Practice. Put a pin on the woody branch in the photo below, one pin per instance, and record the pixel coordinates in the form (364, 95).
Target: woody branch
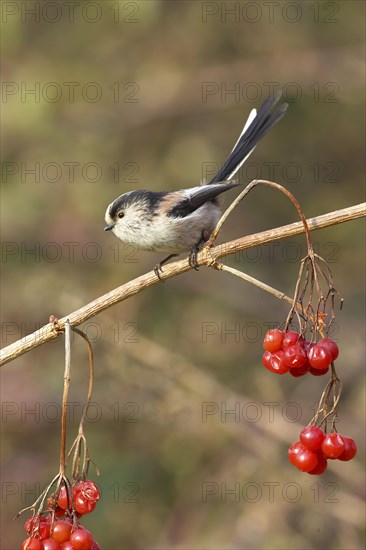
(207, 257)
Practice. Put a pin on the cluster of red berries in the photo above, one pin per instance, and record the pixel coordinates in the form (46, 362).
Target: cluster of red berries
(289, 352)
(63, 536)
(312, 452)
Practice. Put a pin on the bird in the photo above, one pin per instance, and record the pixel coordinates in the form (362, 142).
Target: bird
(173, 222)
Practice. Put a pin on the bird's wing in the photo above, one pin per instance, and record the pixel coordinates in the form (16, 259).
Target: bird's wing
(197, 196)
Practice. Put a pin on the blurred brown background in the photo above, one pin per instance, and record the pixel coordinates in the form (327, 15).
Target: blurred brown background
(103, 97)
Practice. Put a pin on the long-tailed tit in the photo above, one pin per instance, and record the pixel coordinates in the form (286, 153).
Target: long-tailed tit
(181, 221)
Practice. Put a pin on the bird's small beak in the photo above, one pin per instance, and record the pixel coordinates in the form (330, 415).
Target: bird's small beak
(109, 226)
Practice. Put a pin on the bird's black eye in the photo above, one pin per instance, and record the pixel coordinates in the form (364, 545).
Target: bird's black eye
(120, 214)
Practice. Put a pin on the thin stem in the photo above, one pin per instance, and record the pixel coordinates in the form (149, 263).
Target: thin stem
(334, 385)
(227, 213)
(79, 448)
(65, 394)
(277, 293)
(41, 498)
(296, 299)
(285, 191)
(245, 192)
(91, 376)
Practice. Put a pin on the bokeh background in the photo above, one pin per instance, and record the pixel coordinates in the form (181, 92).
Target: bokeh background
(99, 98)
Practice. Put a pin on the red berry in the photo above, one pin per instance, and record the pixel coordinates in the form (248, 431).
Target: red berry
(40, 530)
(33, 521)
(81, 539)
(274, 362)
(350, 449)
(51, 544)
(82, 505)
(277, 363)
(333, 445)
(61, 531)
(308, 345)
(320, 467)
(265, 359)
(305, 460)
(331, 346)
(300, 371)
(44, 530)
(28, 525)
(62, 500)
(318, 372)
(312, 437)
(319, 357)
(59, 512)
(32, 544)
(89, 490)
(273, 340)
(95, 546)
(294, 449)
(67, 546)
(295, 356)
(290, 337)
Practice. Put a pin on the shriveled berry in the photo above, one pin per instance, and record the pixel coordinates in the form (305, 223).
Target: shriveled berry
(33, 521)
(89, 490)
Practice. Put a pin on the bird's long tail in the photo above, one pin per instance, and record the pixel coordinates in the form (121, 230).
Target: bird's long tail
(257, 125)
